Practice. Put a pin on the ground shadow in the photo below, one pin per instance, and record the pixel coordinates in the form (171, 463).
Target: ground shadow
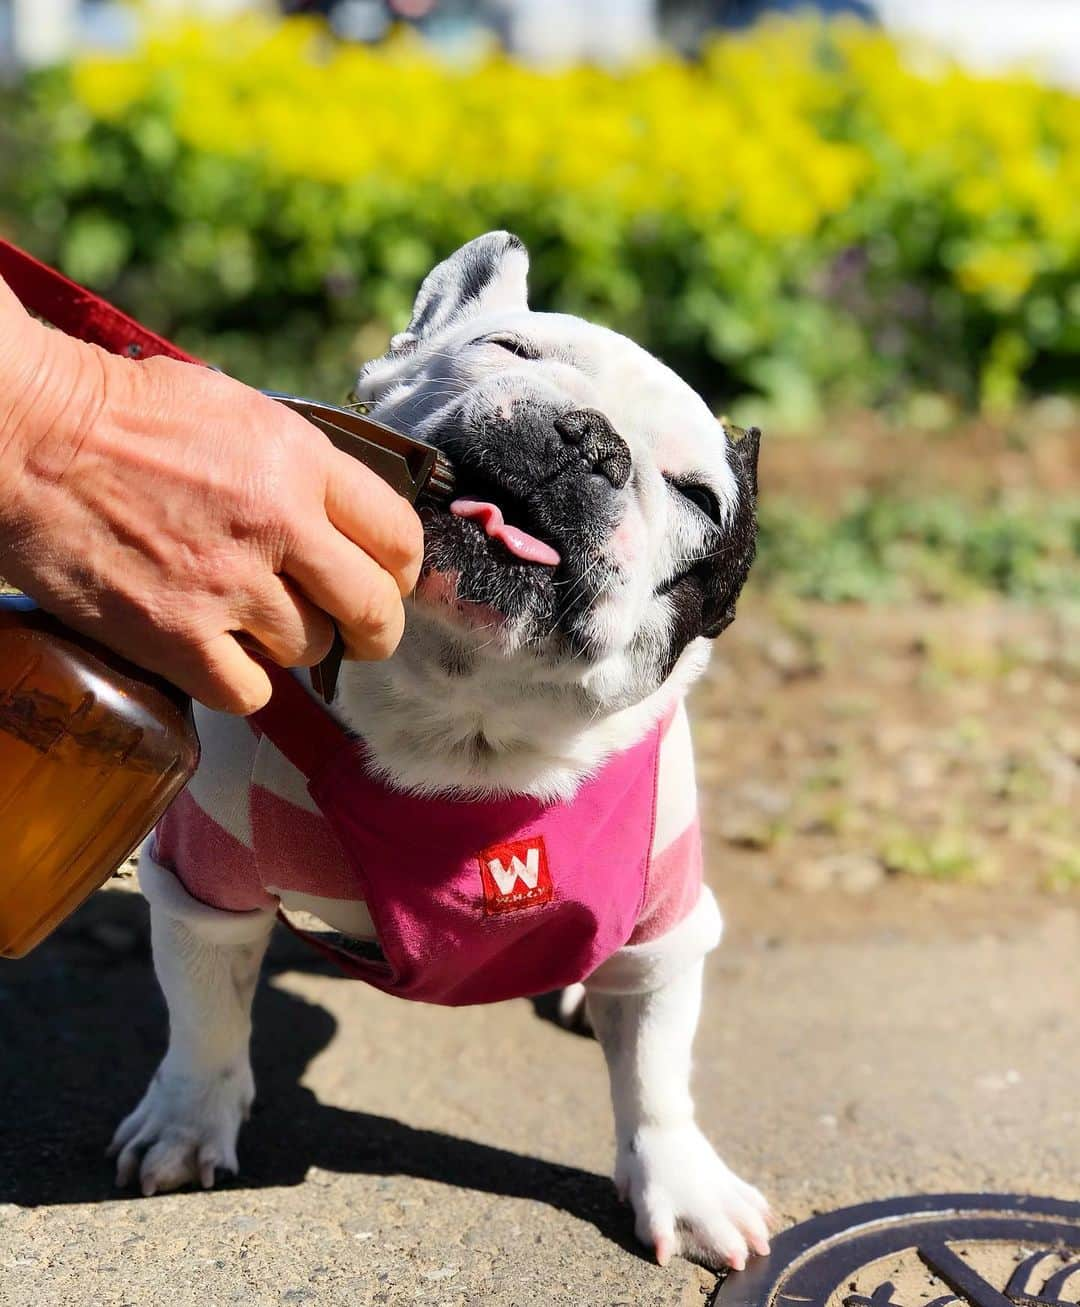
(546, 1007)
(82, 1027)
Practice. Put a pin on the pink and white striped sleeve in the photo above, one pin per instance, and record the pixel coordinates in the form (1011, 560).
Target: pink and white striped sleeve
(200, 862)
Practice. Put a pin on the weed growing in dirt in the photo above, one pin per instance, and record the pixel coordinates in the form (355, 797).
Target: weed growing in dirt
(945, 854)
(1064, 874)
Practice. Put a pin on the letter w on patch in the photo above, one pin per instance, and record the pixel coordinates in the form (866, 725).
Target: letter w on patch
(515, 875)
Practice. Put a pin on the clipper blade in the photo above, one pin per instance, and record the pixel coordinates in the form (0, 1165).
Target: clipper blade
(441, 480)
(414, 468)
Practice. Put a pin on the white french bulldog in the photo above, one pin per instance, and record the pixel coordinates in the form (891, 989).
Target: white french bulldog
(566, 603)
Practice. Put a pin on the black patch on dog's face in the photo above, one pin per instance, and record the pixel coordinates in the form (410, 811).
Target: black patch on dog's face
(559, 474)
(703, 596)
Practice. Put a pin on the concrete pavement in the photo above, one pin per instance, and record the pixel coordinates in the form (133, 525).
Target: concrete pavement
(407, 1154)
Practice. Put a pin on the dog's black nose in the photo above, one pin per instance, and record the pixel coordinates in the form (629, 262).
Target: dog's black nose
(601, 447)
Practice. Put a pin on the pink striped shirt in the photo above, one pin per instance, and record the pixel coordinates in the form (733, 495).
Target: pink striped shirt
(468, 900)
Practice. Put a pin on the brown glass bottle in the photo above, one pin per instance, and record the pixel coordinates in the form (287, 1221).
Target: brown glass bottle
(92, 752)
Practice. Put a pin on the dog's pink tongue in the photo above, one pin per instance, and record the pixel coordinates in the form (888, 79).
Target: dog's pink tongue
(520, 543)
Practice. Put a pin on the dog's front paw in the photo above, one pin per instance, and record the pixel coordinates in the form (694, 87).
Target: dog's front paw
(184, 1129)
(686, 1200)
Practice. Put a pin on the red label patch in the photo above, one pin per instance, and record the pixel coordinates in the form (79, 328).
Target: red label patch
(515, 875)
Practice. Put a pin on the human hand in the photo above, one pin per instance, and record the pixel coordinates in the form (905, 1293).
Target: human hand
(176, 516)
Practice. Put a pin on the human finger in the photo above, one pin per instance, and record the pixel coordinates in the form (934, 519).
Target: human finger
(362, 597)
(383, 523)
(221, 675)
(287, 626)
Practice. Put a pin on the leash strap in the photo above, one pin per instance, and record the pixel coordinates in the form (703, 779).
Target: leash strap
(78, 311)
(305, 733)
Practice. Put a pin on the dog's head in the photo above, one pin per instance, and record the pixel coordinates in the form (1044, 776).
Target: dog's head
(605, 520)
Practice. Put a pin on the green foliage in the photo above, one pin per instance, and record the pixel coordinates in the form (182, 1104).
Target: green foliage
(885, 548)
(946, 854)
(1063, 875)
(804, 217)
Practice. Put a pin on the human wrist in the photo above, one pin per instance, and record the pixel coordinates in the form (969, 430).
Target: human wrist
(51, 386)
(19, 353)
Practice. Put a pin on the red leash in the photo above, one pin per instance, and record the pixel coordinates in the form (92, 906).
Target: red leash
(78, 311)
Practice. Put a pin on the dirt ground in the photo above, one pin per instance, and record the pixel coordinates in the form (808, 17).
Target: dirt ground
(890, 803)
(844, 752)
(856, 747)
(1036, 452)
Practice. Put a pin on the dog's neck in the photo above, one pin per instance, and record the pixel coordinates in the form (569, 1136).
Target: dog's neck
(437, 722)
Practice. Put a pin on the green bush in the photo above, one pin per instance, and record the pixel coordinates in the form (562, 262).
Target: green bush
(882, 548)
(805, 216)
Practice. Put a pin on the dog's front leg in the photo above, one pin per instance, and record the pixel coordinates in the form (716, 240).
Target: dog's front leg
(685, 1198)
(207, 964)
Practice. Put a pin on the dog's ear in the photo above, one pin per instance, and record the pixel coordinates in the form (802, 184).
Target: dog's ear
(485, 276)
(744, 452)
(728, 570)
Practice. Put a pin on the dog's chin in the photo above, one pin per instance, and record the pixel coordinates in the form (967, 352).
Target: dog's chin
(471, 582)
(474, 586)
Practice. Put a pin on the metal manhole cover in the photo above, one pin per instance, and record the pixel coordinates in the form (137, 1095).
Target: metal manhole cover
(936, 1250)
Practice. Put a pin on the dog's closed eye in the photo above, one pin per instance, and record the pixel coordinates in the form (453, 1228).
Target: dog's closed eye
(700, 496)
(521, 349)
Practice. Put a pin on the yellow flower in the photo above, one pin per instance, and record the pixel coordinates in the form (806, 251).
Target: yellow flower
(109, 87)
(784, 126)
(1002, 273)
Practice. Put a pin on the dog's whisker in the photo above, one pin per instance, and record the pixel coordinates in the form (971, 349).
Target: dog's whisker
(565, 608)
(701, 558)
(578, 585)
